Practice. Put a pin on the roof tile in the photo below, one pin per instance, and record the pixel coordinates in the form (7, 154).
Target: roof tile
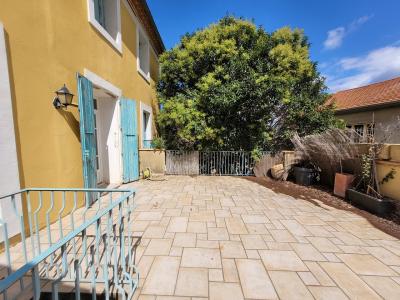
(383, 92)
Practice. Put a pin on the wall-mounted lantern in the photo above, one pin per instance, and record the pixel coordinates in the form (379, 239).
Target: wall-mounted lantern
(63, 98)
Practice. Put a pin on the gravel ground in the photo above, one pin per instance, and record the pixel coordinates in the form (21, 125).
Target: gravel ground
(389, 225)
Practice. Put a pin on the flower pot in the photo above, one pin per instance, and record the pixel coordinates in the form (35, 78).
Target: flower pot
(304, 176)
(380, 207)
(343, 182)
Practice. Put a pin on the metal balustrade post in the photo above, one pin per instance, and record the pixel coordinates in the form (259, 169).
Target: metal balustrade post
(29, 208)
(105, 267)
(77, 279)
(46, 263)
(36, 283)
(92, 272)
(48, 217)
(36, 220)
(60, 212)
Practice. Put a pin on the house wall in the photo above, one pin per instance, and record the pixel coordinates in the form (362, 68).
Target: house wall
(384, 118)
(48, 42)
(153, 159)
(392, 161)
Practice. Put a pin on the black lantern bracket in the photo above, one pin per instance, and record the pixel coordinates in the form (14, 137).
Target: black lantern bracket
(63, 98)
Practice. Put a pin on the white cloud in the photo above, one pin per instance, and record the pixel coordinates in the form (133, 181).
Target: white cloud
(379, 64)
(336, 35)
(335, 38)
(357, 23)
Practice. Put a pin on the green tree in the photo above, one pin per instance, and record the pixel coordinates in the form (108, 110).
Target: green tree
(233, 86)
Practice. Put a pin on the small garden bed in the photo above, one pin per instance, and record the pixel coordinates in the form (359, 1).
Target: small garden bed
(390, 224)
(381, 207)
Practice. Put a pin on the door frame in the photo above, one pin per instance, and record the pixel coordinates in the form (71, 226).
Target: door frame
(117, 93)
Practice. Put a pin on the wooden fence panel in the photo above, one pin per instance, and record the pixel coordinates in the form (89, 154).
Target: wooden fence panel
(267, 161)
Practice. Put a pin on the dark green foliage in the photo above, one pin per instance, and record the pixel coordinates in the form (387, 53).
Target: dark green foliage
(233, 86)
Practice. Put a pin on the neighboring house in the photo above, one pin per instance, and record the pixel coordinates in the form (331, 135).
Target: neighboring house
(106, 53)
(373, 111)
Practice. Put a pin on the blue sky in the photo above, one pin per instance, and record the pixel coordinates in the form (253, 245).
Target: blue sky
(354, 42)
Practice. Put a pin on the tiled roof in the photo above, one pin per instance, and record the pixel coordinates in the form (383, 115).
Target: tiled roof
(380, 93)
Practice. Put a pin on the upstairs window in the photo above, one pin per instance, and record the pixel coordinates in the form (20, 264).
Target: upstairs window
(143, 55)
(104, 15)
(99, 12)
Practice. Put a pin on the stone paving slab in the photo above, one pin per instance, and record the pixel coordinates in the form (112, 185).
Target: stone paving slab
(229, 238)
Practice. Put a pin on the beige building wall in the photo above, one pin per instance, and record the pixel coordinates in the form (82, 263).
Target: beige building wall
(153, 159)
(385, 118)
(391, 188)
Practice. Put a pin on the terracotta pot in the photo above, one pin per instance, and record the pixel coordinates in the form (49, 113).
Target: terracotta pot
(343, 182)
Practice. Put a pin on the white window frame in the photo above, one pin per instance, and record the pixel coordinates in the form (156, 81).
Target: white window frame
(145, 108)
(140, 31)
(139, 27)
(117, 42)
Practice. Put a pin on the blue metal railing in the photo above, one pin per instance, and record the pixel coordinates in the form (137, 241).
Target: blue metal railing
(55, 241)
(147, 144)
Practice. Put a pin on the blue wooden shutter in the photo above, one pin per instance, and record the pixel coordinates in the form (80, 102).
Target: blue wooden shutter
(88, 138)
(130, 153)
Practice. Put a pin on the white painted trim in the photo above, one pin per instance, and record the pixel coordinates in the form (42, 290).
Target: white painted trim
(143, 74)
(116, 92)
(139, 30)
(135, 19)
(117, 42)
(9, 179)
(100, 82)
(119, 139)
(146, 108)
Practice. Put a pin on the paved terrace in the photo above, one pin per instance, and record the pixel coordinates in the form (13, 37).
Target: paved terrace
(229, 238)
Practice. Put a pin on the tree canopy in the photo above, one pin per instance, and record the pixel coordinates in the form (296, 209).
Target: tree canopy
(234, 86)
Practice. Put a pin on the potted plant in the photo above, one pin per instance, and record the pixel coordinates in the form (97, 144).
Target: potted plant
(305, 174)
(343, 181)
(366, 193)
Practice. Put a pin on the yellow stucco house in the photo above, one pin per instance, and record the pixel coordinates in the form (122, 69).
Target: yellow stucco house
(105, 53)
